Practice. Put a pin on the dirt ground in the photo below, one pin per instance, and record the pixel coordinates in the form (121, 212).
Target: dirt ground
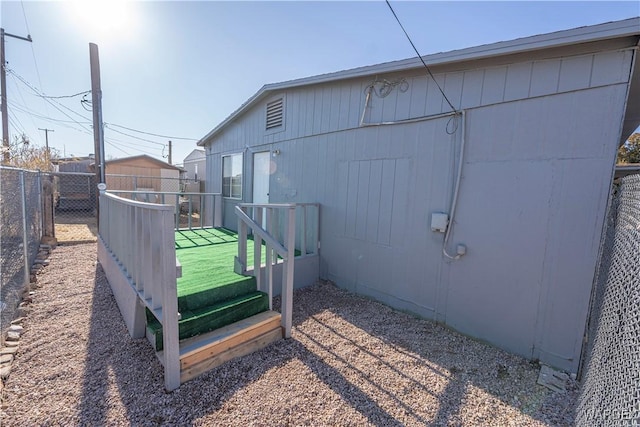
(350, 361)
(76, 227)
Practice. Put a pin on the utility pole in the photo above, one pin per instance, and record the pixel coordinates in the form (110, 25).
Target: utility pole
(96, 102)
(3, 88)
(46, 141)
(170, 153)
(98, 130)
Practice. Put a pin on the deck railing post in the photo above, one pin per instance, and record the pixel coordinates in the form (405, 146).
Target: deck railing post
(287, 276)
(303, 229)
(257, 249)
(190, 210)
(217, 210)
(240, 266)
(169, 304)
(202, 201)
(268, 259)
(177, 211)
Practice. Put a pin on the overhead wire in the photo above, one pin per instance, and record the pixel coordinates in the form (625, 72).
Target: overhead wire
(37, 92)
(153, 134)
(33, 113)
(108, 126)
(127, 145)
(33, 52)
(16, 123)
(22, 97)
(52, 100)
(66, 96)
(65, 123)
(454, 109)
(117, 148)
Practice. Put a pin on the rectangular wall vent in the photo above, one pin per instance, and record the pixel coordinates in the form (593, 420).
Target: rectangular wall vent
(274, 113)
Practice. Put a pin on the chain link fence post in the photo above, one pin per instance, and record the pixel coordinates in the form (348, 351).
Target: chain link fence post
(25, 241)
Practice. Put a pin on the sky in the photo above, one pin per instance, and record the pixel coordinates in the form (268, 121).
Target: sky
(177, 68)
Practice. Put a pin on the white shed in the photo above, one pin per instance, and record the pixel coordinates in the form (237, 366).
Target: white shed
(521, 166)
(195, 165)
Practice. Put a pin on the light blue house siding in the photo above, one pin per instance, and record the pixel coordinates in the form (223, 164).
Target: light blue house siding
(542, 130)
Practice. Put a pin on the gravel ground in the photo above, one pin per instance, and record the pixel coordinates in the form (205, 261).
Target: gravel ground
(351, 361)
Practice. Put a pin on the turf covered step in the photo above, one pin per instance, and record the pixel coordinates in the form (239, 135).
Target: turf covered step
(205, 319)
(209, 294)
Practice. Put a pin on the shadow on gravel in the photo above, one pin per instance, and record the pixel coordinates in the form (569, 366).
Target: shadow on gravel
(468, 363)
(124, 373)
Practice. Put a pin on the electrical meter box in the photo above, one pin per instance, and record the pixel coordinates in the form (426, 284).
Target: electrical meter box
(439, 222)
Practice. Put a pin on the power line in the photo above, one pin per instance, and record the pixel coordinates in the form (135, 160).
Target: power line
(420, 57)
(13, 119)
(65, 96)
(117, 148)
(129, 146)
(37, 92)
(64, 123)
(108, 126)
(152, 134)
(26, 110)
(22, 97)
(33, 52)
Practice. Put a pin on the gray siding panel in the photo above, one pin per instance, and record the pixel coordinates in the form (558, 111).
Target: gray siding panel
(544, 78)
(532, 197)
(434, 97)
(386, 201)
(494, 85)
(611, 68)
(472, 88)
(518, 81)
(575, 73)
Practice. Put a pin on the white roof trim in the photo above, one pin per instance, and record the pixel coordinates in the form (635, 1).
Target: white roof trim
(609, 30)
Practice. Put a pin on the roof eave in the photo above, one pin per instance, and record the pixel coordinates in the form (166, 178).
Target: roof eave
(593, 33)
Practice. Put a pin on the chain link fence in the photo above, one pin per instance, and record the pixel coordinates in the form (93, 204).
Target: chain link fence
(193, 206)
(75, 201)
(21, 228)
(610, 393)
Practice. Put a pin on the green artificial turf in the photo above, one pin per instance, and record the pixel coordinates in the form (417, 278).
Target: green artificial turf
(210, 318)
(207, 259)
(210, 294)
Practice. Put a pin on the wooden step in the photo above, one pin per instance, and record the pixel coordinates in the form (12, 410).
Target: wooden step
(206, 319)
(205, 352)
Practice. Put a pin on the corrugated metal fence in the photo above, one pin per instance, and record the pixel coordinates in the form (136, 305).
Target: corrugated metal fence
(610, 393)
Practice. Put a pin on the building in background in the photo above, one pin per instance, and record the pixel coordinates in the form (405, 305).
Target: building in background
(142, 173)
(195, 165)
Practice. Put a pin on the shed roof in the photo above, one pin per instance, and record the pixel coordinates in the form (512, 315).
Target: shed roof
(593, 33)
(159, 163)
(195, 155)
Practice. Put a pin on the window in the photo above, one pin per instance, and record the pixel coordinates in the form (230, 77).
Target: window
(274, 113)
(232, 176)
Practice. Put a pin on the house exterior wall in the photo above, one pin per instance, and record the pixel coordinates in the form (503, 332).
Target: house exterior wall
(541, 138)
(195, 166)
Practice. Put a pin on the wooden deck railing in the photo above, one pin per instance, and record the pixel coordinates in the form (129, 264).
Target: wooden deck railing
(275, 225)
(207, 205)
(137, 252)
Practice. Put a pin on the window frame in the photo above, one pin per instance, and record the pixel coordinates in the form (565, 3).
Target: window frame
(231, 183)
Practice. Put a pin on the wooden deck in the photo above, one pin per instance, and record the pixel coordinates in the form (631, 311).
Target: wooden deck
(207, 351)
